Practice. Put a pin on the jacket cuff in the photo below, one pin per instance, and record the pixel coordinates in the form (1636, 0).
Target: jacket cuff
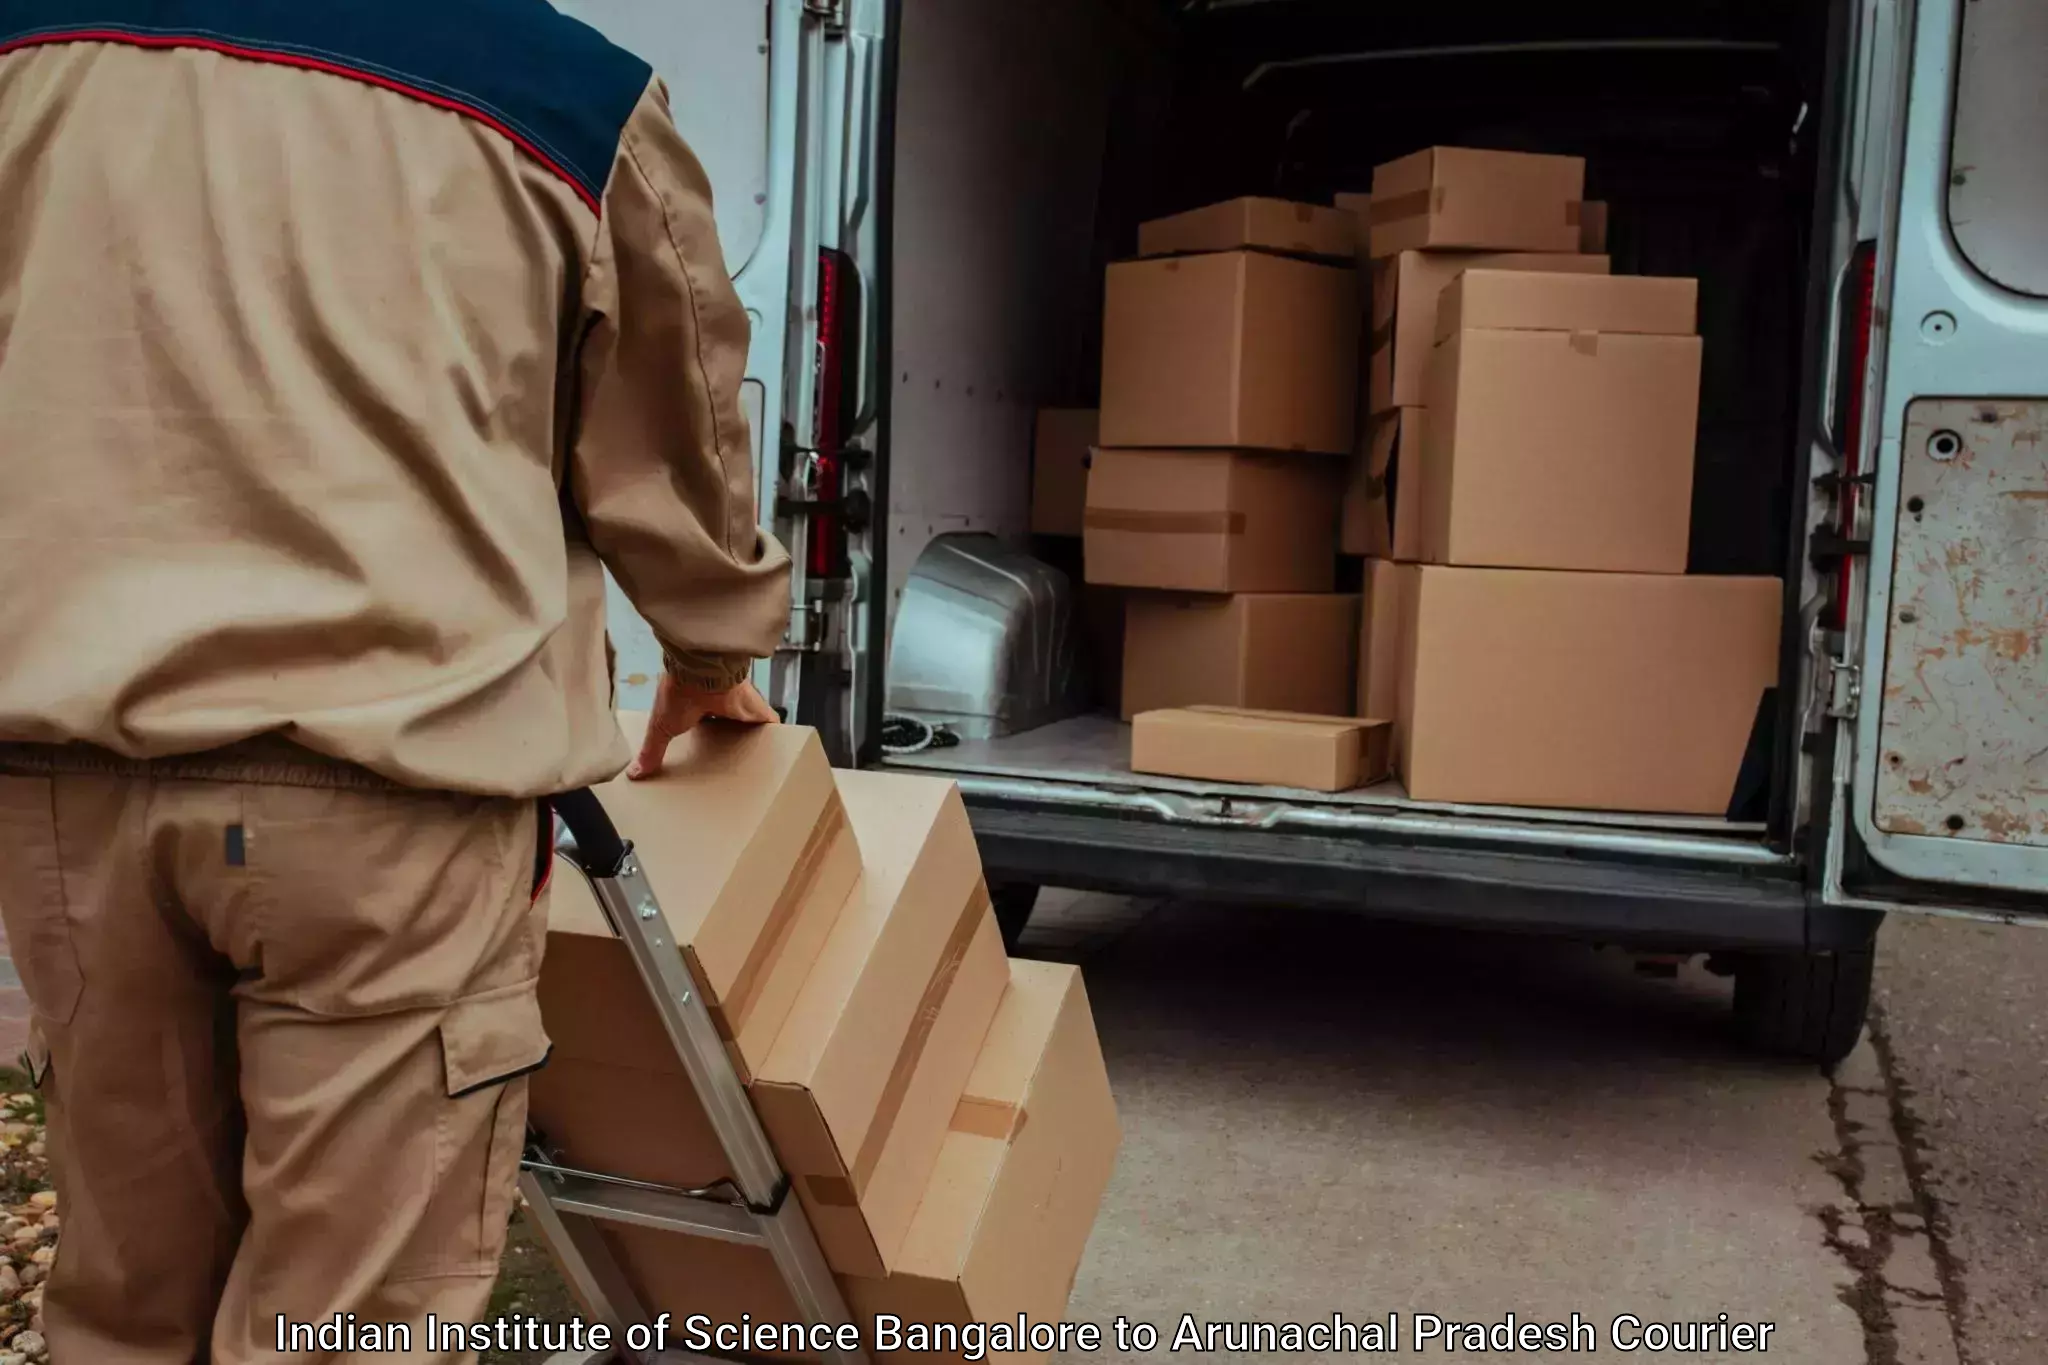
(705, 672)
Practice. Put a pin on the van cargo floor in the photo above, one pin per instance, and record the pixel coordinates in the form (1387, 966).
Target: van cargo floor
(1093, 753)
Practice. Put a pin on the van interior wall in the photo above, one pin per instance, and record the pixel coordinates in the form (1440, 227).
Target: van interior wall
(1033, 139)
(1003, 113)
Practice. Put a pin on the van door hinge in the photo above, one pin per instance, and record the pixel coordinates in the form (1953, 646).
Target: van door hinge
(831, 11)
(1845, 689)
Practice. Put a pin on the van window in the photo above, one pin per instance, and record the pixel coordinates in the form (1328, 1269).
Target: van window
(1998, 179)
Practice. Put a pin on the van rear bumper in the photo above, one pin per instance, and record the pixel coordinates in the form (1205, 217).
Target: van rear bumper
(1652, 905)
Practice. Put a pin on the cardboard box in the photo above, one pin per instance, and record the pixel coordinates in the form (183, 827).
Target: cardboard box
(1389, 588)
(1530, 301)
(1593, 226)
(1560, 449)
(858, 1090)
(1601, 691)
(1256, 224)
(1006, 1216)
(1237, 349)
(1266, 748)
(1458, 197)
(1383, 490)
(1059, 469)
(752, 858)
(1268, 651)
(1405, 292)
(1212, 520)
(748, 849)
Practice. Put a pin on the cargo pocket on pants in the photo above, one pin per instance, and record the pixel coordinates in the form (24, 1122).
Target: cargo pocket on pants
(489, 1045)
(32, 899)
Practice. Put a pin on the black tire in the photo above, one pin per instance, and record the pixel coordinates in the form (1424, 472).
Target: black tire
(1806, 1006)
(1013, 902)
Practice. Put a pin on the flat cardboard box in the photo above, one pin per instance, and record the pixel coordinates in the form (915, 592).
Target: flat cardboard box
(1268, 651)
(1059, 469)
(1212, 520)
(1005, 1218)
(1383, 490)
(1599, 691)
(1238, 349)
(1462, 198)
(1389, 589)
(1253, 223)
(1593, 226)
(1560, 449)
(858, 1090)
(1547, 301)
(1263, 748)
(1405, 292)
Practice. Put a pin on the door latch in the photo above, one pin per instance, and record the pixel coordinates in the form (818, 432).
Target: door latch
(1845, 689)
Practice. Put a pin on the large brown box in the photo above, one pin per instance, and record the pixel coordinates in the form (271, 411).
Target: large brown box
(1562, 423)
(1268, 651)
(1405, 292)
(1059, 469)
(1601, 691)
(1212, 520)
(1263, 748)
(1253, 223)
(1382, 516)
(1004, 1220)
(1235, 349)
(859, 1088)
(1459, 197)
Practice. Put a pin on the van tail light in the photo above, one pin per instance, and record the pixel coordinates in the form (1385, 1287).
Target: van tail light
(839, 321)
(1852, 374)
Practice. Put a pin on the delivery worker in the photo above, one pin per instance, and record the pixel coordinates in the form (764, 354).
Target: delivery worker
(339, 343)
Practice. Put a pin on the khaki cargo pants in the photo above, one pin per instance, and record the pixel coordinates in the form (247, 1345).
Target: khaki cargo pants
(283, 1016)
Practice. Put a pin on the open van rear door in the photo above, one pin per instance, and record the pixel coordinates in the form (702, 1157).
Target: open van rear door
(1942, 790)
(758, 92)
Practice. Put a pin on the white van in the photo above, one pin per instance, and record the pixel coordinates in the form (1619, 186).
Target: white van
(918, 199)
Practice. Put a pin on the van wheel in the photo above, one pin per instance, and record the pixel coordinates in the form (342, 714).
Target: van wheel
(1809, 1006)
(1013, 902)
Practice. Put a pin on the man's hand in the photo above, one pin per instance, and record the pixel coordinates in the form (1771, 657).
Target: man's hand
(677, 710)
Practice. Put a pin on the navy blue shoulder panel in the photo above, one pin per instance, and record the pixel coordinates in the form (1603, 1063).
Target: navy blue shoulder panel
(549, 83)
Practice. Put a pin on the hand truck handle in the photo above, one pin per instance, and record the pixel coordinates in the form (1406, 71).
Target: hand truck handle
(599, 848)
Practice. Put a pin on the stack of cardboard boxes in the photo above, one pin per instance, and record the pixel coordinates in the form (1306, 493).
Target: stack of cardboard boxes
(1513, 460)
(1229, 401)
(942, 1111)
(1530, 627)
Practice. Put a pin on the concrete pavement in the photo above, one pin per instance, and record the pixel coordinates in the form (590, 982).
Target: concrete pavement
(1962, 1029)
(1323, 1113)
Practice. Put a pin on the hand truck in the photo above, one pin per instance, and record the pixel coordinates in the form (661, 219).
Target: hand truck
(754, 1207)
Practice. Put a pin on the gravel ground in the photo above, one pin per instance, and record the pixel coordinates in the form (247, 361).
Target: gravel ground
(28, 1222)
